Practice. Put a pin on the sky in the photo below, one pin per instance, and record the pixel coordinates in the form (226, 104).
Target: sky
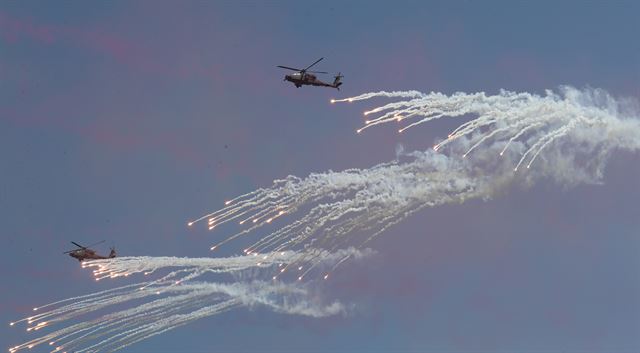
(123, 120)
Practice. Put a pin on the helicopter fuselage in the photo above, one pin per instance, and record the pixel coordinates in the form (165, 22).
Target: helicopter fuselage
(88, 254)
(306, 79)
(299, 79)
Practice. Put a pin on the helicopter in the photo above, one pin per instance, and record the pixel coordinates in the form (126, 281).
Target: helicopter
(304, 77)
(84, 253)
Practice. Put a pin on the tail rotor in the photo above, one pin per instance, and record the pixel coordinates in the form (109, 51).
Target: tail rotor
(336, 80)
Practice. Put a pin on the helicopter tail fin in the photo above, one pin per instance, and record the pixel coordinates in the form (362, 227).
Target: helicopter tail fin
(112, 253)
(336, 81)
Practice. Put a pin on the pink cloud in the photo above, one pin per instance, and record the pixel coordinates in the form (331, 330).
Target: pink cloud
(122, 50)
(11, 29)
(114, 138)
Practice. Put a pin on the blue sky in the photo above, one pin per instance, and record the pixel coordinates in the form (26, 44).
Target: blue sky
(114, 117)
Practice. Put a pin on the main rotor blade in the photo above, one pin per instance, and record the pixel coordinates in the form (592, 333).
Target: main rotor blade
(78, 245)
(100, 242)
(70, 251)
(288, 68)
(317, 61)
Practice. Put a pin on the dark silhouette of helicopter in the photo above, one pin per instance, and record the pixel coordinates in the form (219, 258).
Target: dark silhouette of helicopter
(84, 253)
(305, 77)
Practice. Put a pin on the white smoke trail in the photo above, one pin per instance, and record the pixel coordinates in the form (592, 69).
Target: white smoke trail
(395, 94)
(570, 134)
(591, 121)
(172, 300)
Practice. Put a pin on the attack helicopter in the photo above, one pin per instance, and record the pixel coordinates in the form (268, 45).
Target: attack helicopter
(304, 77)
(85, 253)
